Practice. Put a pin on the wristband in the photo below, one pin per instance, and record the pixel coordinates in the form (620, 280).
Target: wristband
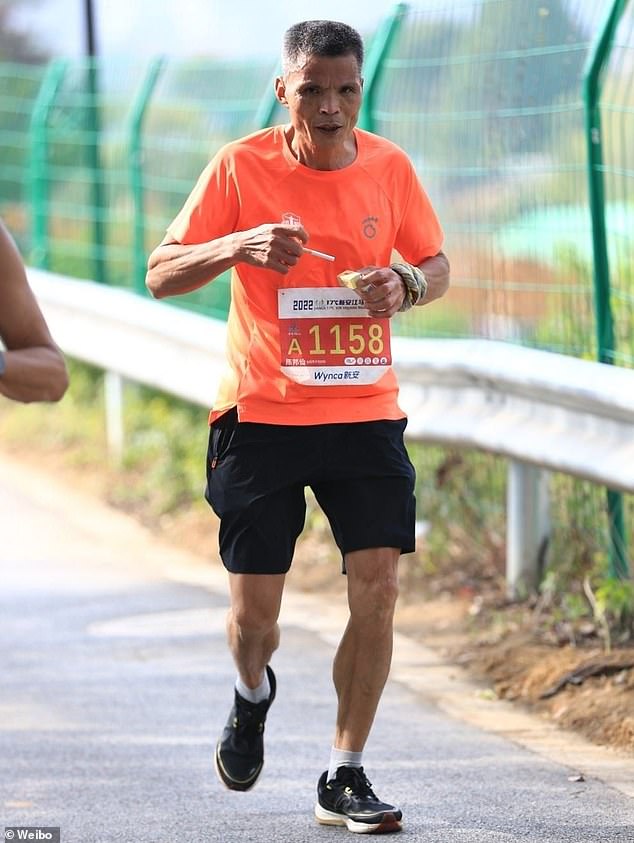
(415, 284)
(2, 363)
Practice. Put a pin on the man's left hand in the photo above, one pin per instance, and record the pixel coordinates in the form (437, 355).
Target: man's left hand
(382, 290)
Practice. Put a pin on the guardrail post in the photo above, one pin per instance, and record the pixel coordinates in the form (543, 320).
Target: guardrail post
(135, 169)
(39, 168)
(113, 395)
(527, 527)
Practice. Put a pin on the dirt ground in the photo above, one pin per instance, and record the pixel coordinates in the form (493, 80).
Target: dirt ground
(577, 686)
(563, 675)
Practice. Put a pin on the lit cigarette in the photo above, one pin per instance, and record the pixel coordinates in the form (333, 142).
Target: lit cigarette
(319, 254)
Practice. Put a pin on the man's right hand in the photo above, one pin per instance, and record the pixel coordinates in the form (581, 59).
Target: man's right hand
(175, 268)
(276, 246)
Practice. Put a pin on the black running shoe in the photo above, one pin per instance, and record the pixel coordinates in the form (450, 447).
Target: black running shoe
(349, 800)
(240, 751)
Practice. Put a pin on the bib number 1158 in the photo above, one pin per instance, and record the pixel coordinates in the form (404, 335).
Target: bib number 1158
(353, 338)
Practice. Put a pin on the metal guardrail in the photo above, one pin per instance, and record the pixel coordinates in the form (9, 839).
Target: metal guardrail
(543, 411)
(557, 412)
(153, 343)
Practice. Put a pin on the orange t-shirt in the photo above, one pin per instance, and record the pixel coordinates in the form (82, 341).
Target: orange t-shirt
(301, 349)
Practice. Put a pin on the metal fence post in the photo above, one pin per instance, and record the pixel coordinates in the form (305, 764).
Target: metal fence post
(268, 104)
(374, 63)
(135, 168)
(597, 58)
(527, 527)
(93, 125)
(39, 175)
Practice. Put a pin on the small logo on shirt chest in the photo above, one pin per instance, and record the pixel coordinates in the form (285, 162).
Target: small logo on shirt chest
(369, 227)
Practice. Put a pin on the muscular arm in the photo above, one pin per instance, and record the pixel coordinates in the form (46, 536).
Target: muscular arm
(174, 268)
(34, 366)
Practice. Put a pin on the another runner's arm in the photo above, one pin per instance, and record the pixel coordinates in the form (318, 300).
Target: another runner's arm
(33, 366)
(175, 268)
(436, 272)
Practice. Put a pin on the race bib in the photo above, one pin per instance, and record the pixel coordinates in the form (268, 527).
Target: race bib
(328, 338)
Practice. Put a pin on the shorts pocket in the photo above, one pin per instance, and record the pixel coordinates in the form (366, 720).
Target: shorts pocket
(220, 437)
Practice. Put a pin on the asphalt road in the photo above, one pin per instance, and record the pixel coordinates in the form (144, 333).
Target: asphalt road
(116, 681)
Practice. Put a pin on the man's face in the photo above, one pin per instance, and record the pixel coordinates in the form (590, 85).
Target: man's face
(324, 97)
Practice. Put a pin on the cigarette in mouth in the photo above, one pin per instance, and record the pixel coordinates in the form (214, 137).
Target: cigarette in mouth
(319, 254)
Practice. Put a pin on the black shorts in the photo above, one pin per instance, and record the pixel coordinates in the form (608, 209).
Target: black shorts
(360, 474)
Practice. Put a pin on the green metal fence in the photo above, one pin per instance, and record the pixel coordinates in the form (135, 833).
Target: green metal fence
(20, 86)
(99, 157)
(486, 97)
(197, 107)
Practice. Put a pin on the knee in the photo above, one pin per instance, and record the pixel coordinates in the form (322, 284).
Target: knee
(375, 596)
(252, 620)
(383, 591)
(255, 604)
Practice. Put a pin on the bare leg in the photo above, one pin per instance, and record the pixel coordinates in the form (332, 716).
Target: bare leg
(362, 662)
(252, 630)
(253, 636)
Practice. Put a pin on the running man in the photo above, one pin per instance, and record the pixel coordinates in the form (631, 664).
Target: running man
(309, 397)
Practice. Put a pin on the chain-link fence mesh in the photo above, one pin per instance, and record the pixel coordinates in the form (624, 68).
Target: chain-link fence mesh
(19, 89)
(197, 108)
(486, 98)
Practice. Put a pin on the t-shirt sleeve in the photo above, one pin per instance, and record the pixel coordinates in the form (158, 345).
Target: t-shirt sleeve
(419, 235)
(211, 209)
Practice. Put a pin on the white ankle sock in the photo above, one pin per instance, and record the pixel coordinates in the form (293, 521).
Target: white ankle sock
(254, 695)
(342, 758)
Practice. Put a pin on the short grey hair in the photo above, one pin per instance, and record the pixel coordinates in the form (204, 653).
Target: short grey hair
(320, 38)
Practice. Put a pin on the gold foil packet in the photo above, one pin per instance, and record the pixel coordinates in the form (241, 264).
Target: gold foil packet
(349, 278)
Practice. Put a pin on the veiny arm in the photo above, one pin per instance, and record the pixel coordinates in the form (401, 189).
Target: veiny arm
(174, 268)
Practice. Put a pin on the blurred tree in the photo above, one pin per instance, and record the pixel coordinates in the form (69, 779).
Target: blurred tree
(509, 74)
(544, 45)
(17, 45)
